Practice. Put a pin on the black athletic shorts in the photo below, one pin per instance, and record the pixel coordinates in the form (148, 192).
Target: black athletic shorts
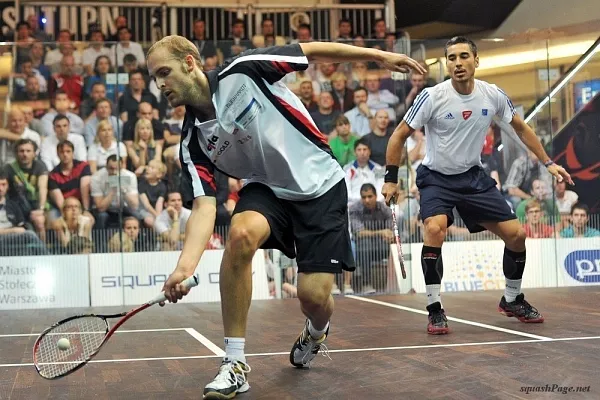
(315, 232)
(473, 193)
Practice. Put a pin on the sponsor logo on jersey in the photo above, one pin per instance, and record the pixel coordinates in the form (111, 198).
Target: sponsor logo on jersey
(484, 112)
(466, 114)
(449, 116)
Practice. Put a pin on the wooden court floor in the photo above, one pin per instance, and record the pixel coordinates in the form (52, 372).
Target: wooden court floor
(378, 346)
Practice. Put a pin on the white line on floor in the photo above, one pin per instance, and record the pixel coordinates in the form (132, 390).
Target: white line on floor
(426, 346)
(207, 343)
(462, 321)
(118, 331)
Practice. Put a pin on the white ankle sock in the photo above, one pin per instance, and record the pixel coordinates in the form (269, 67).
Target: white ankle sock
(234, 348)
(512, 289)
(433, 294)
(315, 333)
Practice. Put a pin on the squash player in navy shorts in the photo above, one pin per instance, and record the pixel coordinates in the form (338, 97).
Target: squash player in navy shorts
(242, 120)
(456, 115)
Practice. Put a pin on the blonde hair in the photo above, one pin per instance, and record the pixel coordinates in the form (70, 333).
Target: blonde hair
(104, 124)
(140, 124)
(159, 165)
(178, 46)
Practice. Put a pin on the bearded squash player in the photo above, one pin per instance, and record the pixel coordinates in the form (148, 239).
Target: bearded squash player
(242, 120)
(456, 115)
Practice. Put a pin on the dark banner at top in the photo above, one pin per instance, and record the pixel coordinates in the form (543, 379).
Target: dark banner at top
(577, 148)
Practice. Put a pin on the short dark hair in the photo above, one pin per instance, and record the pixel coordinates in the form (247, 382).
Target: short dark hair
(22, 142)
(63, 143)
(129, 58)
(580, 206)
(112, 158)
(459, 40)
(362, 141)
(60, 117)
(361, 88)
(366, 187)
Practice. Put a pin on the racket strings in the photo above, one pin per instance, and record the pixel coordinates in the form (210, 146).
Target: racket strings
(85, 335)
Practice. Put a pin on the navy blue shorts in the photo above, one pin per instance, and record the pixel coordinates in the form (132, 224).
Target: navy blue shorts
(473, 193)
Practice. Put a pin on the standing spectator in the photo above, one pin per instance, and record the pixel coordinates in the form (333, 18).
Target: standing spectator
(67, 81)
(70, 178)
(115, 192)
(534, 227)
(153, 192)
(380, 136)
(360, 117)
(62, 106)
(28, 181)
(579, 219)
(16, 129)
(49, 154)
(171, 222)
(325, 115)
(105, 144)
(371, 226)
(126, 46)
(342, 145)
(362, 171)
(102, 112)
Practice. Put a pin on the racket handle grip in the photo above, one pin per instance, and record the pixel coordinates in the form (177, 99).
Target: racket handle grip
(189, 283)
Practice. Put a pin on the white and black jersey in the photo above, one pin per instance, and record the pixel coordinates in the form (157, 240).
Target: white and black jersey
(261, 131)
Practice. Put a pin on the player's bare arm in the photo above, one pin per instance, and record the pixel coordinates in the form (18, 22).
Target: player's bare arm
(529, 138)
(321, 52)
(392, 160)
(198, 230)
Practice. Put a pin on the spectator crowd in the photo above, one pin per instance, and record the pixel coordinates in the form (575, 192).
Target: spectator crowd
(89, 154)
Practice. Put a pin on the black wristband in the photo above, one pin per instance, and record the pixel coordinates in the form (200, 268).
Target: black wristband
(391, 174)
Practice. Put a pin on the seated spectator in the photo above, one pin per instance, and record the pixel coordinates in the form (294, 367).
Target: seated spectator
(48, 153)
(68, 81)
(267, 29)
(31, 92)
(153, 192)
(73, 228)
(362, 171)
(144, 148)
(579, 220)
(306, 95)
(55, 56)
(323, 76)
(102, 111)
(534, 227)
(379, 99)
(104, 146)
(120, 22)
(36, 55)
(343, 97)
(13, 232)
(342, 144)
(145, 111)
(344, 31)
(416, 85)
(95, 49)
(565, 199)
(28, 182)
(129, 240)
(25, 70)
(102, 69)
(16, 129)
(62, 105)
(523, 171)
(126, 46)
(325, 115)
(540, 192)
(70, 178)
(237, 42)
(135, 94)
(380, 136)
(358, 74)
(360, 117)
(115, 193)
(171, 222)
(371, 227)
(490, 157)
(87, 110)
(416, 145)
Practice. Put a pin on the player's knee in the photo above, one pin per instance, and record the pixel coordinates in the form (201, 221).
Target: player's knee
(242, 243)
(314, 297)
(435, 230)
(516, 239)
